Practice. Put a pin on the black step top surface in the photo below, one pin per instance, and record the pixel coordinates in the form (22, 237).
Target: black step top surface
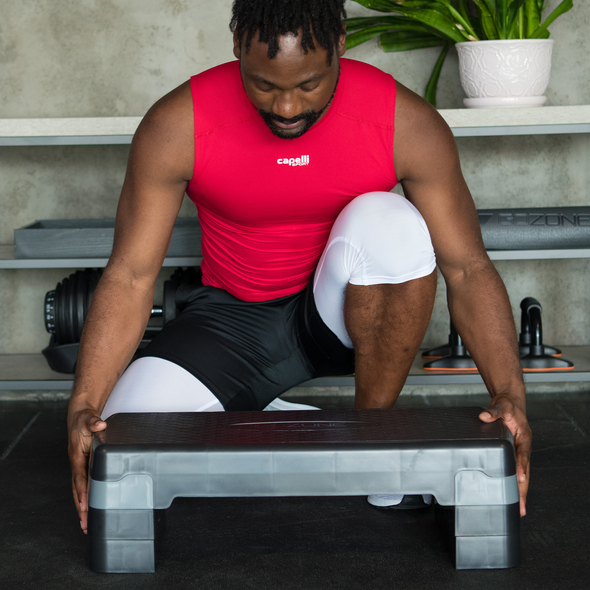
(300, 427)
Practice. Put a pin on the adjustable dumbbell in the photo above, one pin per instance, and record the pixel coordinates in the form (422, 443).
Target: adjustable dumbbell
(66, 307)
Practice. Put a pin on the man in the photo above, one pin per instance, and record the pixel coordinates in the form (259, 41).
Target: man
(310, 265)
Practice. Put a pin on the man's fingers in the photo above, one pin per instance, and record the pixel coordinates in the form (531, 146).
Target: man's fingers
(495, 411)
(522, 475)
(486, 416)
(80, 490)
(81, 501)
(80, 481)
(94, 424)
(76, 498)
(98, 425)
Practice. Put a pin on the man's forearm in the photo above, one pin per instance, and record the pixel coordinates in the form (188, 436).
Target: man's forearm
(115, 325)
(480, 310)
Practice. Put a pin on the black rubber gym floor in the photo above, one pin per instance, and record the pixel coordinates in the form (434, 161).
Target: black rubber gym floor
(293, 543)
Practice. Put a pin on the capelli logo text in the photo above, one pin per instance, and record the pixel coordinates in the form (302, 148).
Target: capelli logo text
(301, 161)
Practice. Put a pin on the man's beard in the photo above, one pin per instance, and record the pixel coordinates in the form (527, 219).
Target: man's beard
(309, 117)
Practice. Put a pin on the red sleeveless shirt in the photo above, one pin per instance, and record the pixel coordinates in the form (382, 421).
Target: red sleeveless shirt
(267, 205)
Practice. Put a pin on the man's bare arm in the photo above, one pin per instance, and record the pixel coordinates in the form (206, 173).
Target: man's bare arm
(160, 165)
(427, 164)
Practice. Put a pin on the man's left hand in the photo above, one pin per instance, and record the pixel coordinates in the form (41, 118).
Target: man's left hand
(507, 408)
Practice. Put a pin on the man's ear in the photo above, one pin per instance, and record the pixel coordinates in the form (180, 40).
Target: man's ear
(237, 45)
(342, 43)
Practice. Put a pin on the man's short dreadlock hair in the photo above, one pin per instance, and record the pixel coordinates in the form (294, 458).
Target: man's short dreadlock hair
(279, 17)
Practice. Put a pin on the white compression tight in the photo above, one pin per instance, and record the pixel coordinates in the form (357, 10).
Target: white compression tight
(378, 238)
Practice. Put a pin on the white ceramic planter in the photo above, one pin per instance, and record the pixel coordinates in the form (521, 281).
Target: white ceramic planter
(510, 73)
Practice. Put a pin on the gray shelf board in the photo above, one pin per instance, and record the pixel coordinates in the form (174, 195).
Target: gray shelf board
(555, 254)
(41, 385)
(504, 130)
(564, 119)
(66, 140)
(579, 355)
(8, 261)
(31, 372)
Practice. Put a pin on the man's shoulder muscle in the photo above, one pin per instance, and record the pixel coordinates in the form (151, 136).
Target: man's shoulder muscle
(422, 137)
(166, 133)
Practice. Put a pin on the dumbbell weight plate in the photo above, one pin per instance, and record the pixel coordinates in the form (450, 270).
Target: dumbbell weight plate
(60, 312)
(49, 306)
(81, 308)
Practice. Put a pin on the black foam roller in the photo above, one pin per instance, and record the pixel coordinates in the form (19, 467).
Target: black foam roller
(537, 228)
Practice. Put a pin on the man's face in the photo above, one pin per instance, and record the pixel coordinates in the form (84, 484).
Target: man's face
(292, 91)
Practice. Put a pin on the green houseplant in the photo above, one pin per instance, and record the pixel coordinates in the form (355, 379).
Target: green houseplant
(417, 24)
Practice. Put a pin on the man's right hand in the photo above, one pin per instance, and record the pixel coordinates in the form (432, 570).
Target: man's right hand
(81, 426)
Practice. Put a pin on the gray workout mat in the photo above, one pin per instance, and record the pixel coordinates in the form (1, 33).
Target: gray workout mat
(141, 462)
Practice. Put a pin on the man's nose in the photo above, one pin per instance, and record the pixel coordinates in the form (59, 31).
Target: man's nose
(287, 105)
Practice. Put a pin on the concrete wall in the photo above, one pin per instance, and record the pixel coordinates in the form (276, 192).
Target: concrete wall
(66, 58)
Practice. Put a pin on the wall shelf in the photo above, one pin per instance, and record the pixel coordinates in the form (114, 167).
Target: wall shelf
(579, 355)
(463, 122)
(518, 121)
(78, 131)
(8, 261)
(31, 372)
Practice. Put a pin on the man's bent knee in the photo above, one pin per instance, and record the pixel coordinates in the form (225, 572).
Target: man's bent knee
(379, 238)
(389, 238)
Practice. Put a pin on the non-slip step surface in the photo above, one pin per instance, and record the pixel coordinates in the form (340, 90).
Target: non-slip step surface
(301, 427)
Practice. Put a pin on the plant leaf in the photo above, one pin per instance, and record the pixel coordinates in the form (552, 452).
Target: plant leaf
(464, 10)
(487, 20)
(561, 9)
(511, 18)
(361, 22)
(391, 5)
(436, 19)
(501, 17)
(358, 37)
(533, 17)
(432, 86)
(458, 17)
(408, 40)
(491, 4)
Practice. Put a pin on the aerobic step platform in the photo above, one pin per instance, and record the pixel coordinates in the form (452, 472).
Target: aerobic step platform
(141, 462)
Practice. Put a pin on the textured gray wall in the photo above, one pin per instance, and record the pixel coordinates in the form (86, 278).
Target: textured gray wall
(66, 58)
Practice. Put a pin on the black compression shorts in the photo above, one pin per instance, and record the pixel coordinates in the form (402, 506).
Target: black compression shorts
(247, 353)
